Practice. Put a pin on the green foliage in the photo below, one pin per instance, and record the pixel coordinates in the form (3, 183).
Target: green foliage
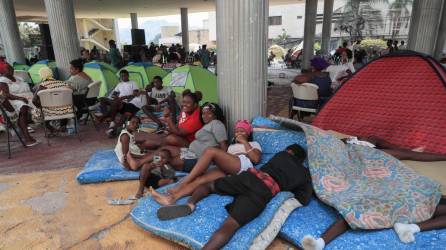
(373, 43)
(26, 30)
(282, 38)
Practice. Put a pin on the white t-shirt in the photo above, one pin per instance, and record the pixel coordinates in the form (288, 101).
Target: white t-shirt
(160, 94)
(17, 87)
(125, 88)
(139, 101)
(238, 148)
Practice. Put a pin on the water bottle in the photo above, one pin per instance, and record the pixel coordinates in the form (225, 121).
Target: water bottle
(70, 127)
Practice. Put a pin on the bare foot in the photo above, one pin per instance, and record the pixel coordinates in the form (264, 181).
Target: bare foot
(164, 200)
(139, 195)
(133, 163)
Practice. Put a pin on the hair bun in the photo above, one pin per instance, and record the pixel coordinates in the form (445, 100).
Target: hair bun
(199, 95)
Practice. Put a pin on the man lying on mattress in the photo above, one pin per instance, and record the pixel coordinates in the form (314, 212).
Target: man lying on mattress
(252, 190)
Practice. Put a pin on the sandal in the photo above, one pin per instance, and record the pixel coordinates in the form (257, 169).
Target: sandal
(173, 212)
(32, 144)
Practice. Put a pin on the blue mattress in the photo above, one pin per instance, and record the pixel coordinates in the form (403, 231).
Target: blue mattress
(316, 217)
(103, 166)
(196, 229)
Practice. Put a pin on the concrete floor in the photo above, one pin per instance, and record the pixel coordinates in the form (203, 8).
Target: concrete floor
(43, 207)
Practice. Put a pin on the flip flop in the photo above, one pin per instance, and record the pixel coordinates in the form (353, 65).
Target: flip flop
(173, 212)
(32, 144)
(120, 202)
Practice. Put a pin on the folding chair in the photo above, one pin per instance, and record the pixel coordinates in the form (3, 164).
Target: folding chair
(8, 126)
(91, 100)
(57, 104)
(306, 92)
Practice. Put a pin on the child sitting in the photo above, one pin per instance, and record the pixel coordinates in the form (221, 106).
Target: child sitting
(157, 173)
(127, 144)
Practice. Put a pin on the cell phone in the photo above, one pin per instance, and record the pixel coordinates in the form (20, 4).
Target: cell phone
(156, 158)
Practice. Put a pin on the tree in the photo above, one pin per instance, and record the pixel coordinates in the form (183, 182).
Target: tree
(282, 38)
(357, 15)
(26, 30)
(399, 15)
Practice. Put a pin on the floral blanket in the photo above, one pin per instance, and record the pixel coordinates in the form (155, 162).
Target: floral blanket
(369, 188)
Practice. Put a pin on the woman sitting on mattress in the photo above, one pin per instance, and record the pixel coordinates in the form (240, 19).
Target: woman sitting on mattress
(212, 134)
(189, 123)
(241, 156)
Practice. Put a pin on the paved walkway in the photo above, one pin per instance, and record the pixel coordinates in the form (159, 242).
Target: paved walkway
(69, 152)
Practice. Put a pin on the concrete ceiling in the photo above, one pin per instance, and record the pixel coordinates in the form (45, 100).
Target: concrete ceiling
(29, 10)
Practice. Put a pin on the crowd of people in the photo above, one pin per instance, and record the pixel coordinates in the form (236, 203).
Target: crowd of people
(168, 57)
(193, 138)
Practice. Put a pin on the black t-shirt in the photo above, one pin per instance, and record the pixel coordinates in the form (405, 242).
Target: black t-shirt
(290, 174)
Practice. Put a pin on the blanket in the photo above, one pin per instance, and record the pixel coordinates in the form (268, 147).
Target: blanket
(369, 188)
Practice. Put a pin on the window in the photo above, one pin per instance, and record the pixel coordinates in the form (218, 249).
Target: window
(275, 20)
(299, 17)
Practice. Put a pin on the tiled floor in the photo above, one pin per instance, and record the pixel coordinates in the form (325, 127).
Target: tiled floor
(68, 152)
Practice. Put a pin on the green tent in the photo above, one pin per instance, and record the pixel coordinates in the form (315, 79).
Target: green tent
(19, 66)
(193, 78)
(34, 70)
(99, 71)
(143, 73)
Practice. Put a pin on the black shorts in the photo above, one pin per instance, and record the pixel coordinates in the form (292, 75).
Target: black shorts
(189, 164)
(129, 108)
(251, 196)
(152, 181)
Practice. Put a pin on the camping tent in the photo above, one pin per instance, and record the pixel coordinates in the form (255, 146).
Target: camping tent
(34, 70)
(143, 73)
(400, 97)
(19, 66)
(99, 71)
(193, 78)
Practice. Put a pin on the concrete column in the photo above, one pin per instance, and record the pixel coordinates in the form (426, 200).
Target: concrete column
(309, 32)
(185, 29)
(425, 21)
(441, 38)
(63, 34)
(326, 26)
(134, 20)
(242, 33)
(12, 43)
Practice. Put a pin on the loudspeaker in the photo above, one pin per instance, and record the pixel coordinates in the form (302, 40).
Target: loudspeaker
(138, 37)
(46, 49)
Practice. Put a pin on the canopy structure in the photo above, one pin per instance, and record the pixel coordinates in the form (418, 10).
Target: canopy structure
(99, 71)
(194, 78)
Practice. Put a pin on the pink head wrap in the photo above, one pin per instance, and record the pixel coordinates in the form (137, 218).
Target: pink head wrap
(244, 124)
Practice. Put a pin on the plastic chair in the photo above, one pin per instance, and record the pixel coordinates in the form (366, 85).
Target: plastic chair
(91, 99)
(24, 75)
(60, 99)
(10, 125)
(306, 92)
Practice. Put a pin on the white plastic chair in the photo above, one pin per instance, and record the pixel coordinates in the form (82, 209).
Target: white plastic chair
(92, 94)
(307, 92)
(24, 75)
(59, 98)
